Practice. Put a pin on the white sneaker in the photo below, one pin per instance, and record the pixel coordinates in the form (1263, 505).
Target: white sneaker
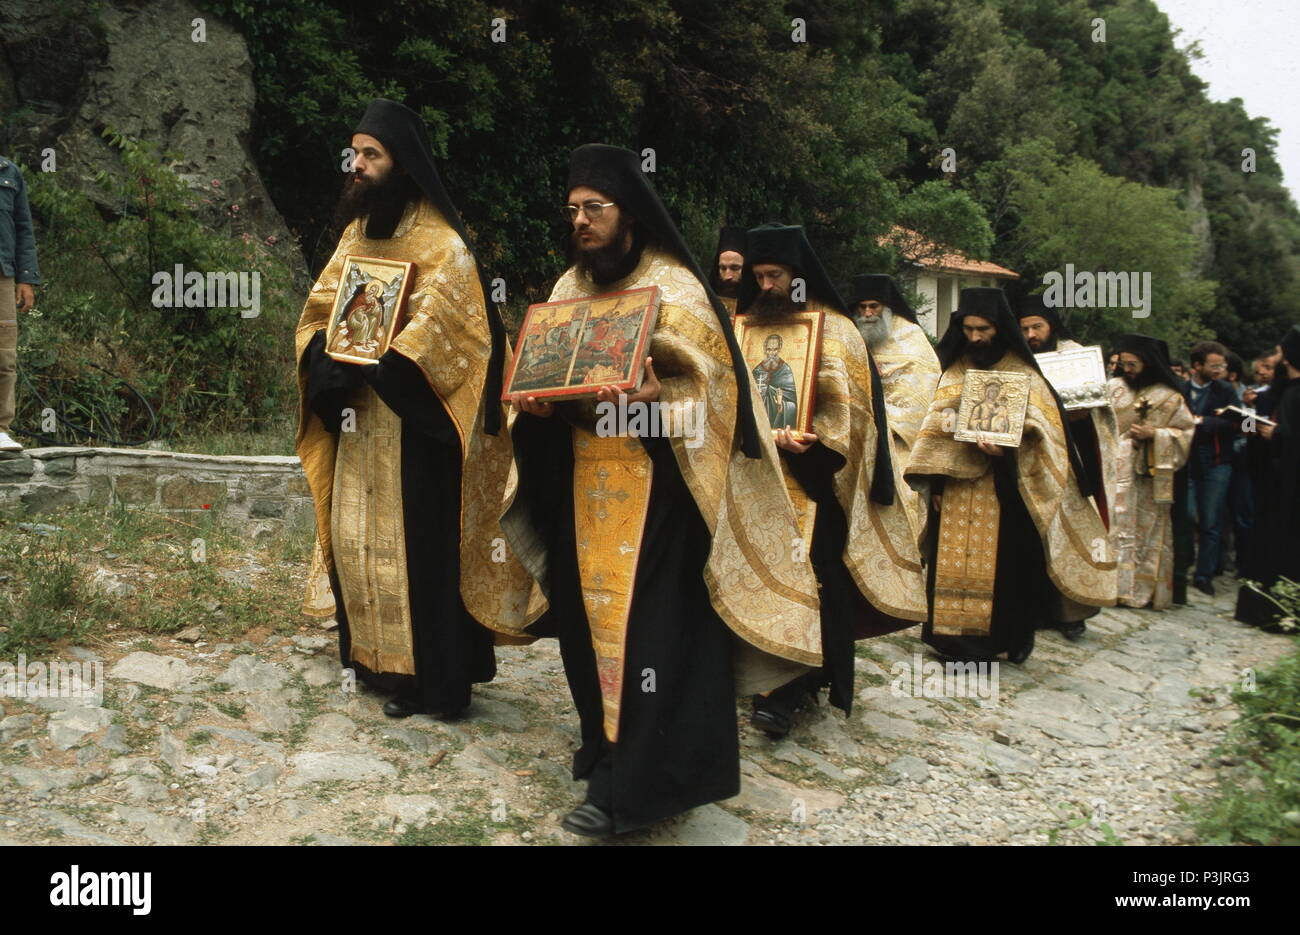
(8, 444)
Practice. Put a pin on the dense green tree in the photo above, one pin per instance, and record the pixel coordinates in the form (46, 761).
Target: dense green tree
(845, 131)
(1076, 214)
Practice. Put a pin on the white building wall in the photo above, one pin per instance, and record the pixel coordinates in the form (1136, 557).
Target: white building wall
(938, 294)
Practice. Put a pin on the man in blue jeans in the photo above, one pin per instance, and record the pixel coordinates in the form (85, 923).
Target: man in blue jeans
(1209, 468)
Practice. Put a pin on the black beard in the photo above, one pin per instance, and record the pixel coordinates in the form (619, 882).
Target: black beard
(728, 290)
(771, 305)
(1139, 381)
(984, 356)
(610, 262)
(1047, 345)
(382, 203)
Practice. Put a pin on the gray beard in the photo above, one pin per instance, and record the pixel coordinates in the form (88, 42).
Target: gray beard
(875, 333)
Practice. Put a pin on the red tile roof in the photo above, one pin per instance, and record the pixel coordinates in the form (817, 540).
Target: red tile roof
(929, 255)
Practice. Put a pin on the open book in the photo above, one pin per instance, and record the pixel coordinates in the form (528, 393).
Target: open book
(1245, 414)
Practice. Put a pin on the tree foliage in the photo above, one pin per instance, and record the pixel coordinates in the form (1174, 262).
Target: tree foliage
(199, 367)
(843, 132)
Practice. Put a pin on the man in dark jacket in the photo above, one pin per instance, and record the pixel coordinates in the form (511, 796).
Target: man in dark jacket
(18, 273)
(1209, 472)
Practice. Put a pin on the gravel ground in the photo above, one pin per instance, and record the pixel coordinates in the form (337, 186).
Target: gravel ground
(259, 743)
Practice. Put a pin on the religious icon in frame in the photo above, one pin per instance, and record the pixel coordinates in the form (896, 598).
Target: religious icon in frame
(569, 349)
(369, 308)
(993, 404)
(783, 354)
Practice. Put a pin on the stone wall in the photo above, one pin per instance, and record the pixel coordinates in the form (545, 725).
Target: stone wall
(265, 491)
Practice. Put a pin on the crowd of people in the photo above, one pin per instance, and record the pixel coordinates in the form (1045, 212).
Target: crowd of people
(1237, 483)
(749, 559)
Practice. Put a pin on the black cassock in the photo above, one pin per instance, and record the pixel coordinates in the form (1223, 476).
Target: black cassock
(1024, 597)
(846, 615)
(1277, 554)
(678, 745)
(452, 651)
(1256, 462)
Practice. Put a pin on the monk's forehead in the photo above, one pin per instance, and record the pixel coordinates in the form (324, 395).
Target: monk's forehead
(587, 193)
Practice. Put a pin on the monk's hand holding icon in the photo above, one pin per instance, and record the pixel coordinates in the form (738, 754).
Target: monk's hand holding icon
(648, 392)
(790, 440)
(522, 402)
(989, 448)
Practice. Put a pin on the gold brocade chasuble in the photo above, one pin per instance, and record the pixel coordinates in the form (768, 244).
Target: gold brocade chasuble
(764, 594)
(355, 477)
(909, 373)
(1080, 560)
(368, 532)
(1142, 523)
(967, 560)
(881, 551)
(611, 495)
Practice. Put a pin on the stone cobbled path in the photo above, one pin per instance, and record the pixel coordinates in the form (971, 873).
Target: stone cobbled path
(258, 743)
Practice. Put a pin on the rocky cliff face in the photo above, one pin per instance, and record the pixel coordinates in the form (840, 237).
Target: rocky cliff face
(1195, 202)
(69, 70)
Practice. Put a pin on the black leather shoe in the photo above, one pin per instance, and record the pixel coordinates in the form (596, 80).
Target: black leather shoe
(1021, 653)
(1074, 631)
(589, 820)
(398, 707)
(775, 724)
(1204, 585)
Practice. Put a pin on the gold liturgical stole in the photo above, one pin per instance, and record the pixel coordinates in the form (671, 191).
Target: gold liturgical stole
(968, 557)
(368, 532)
(611, 496)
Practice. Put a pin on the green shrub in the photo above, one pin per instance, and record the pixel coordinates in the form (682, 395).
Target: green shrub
(96, 328)
(1259, 801)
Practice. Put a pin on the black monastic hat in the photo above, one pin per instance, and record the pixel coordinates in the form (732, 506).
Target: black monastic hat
(787, 244)
(877, 287)
(1290, 345)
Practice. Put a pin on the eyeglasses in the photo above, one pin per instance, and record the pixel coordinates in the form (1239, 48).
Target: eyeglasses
(592, 209)
(1129, 365)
